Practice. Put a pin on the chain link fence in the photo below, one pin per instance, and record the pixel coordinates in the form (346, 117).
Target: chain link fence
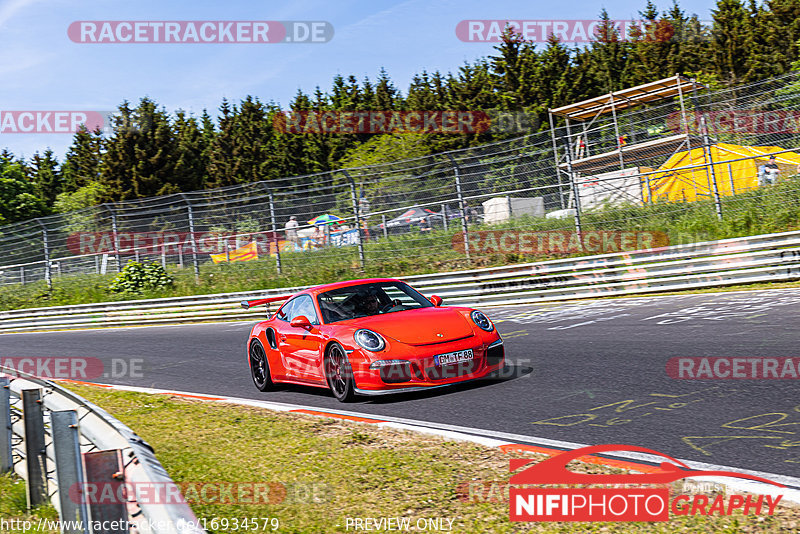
(508, 201)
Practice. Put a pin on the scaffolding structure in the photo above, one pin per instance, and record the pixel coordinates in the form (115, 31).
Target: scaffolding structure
(589, 143)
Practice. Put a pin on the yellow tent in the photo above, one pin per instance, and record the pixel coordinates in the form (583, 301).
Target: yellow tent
(695, 184)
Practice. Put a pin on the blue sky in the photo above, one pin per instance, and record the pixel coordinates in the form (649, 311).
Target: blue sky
(42, 69)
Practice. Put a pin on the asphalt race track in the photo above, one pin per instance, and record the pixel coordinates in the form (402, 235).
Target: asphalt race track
(583, 372)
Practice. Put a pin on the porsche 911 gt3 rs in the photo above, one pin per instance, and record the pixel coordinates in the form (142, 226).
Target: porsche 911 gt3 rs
(370, 337)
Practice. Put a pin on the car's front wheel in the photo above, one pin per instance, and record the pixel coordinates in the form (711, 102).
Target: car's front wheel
(259, 366)
(339, 373)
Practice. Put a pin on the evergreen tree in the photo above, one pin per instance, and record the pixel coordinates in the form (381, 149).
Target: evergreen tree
(608, 56)
(141, 154)
(252, 137)
(513, 71)
(730, 33)
(46, 176)
(222, 162)
(386, 95)
(554, 76)
(760, 63)
(82, 163)
(650, 48)
(689, 49)
(190, 158)
(782, 28)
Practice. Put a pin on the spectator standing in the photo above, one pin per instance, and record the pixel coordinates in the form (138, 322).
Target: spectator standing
(772, 170)
(291, 230)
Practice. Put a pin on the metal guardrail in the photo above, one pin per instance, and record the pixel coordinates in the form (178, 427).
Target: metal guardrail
(61, 443)
(761, 258)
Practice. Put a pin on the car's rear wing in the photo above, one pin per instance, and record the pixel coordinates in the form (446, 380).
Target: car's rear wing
(247, 304)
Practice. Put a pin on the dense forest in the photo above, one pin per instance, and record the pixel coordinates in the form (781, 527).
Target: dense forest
(151, 151)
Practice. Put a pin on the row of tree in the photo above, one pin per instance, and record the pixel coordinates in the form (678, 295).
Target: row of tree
(152, 152)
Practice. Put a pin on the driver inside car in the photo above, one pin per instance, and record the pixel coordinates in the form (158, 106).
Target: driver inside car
(366, 304)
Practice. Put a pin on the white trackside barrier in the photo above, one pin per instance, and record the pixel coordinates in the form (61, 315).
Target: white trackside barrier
(744, 260)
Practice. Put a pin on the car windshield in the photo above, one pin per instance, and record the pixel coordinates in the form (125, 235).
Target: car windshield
(369, 299)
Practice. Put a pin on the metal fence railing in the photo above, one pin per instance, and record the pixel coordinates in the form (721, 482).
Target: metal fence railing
(430, 206)
(70, 451)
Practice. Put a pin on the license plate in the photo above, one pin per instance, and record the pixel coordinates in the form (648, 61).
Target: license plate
(453, 357)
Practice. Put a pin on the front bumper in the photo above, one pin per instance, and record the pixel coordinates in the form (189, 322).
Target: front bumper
(421, 373)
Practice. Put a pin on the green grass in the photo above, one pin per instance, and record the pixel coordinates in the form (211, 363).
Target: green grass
(338, 469)
(14, 517)
(765, 210)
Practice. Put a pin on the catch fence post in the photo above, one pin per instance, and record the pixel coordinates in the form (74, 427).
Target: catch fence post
(114, 235)
(461, 208)
(708, 160)
(48, 276)
(730, 176)
(190, 215)
(275, 233)
(710, 165)
(575, 192)
(357, 214)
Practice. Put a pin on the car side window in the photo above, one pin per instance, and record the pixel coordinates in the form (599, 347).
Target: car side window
(303, 305)
(284, 313)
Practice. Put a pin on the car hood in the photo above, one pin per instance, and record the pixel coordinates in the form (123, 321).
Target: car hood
(421, 326)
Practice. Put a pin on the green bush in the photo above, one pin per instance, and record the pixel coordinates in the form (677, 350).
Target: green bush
(137, 277)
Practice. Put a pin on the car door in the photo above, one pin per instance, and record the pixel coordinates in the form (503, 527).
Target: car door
(282, 327)
(301, 345)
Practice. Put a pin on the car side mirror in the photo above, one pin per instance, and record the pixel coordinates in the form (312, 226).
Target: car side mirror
(301, 321)
(436, 300)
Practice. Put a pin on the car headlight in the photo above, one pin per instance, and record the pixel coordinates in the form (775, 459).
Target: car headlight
(372, 341)
(482, 321)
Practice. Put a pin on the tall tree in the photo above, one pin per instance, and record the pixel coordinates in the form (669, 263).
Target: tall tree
(18, 200)
(222, 163)
(608, 56)
(731, 37)
(46, 176)
(82, 163)
(782, 25)
(141, 154)
(190, 158)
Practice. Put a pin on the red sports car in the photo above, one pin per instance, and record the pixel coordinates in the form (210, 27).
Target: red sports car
(370, 337)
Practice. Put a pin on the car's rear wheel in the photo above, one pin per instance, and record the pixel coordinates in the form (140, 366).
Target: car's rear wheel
(339, 373)
(259, 366)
